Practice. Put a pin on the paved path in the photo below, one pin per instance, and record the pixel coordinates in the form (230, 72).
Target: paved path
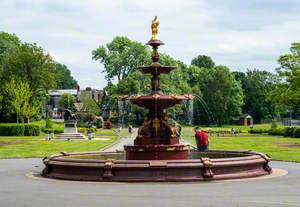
(119, 146)
(17, 189)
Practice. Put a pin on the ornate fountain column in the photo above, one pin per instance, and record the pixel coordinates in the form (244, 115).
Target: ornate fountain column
(156, 139)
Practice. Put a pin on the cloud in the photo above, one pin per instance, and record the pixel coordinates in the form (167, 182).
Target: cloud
(239, 34)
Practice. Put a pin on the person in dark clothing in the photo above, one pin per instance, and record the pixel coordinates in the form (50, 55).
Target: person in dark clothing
(202, 140)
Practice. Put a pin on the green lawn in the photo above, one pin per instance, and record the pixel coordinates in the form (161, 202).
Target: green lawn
(18, 147)
(279, 148)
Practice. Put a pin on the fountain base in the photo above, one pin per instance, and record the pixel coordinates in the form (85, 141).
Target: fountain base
(157, 152)
(201, 166)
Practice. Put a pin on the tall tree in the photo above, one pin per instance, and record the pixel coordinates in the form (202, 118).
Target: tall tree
(289, 90)
(203, 61)
(256, 85)
(221, 93)
(64, 78)
(121, 56)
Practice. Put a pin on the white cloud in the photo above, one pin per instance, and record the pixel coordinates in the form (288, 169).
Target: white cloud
(239, 34)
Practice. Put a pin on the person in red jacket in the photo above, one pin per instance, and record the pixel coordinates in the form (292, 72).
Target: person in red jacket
(202, 140)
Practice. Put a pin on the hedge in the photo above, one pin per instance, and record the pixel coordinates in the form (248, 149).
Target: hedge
(296, 133)
(277, 131)
(289, 131)
(19, 130)
(258, 131)
(50, 130)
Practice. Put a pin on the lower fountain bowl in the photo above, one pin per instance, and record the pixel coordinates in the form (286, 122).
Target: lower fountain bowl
(157, 152)
(201, 166)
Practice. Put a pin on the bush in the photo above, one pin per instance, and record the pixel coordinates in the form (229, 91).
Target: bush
(84, 130)
(49, 124)
(19, 130)
(50, 130)
(31, 130)
(289, 131)
(277, 131)
(258, 131)
(274, 124)
(296, 133)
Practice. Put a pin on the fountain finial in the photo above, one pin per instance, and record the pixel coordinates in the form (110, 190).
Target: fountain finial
(154, 28)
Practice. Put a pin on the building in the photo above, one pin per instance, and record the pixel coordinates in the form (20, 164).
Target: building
(55, 111)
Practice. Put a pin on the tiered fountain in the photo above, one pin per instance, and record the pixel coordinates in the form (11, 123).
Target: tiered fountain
(156, 139)
(157, 154)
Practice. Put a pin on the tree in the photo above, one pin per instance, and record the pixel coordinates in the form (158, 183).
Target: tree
(257, 84)
(31, 64)
(67, 101)
(221, 93)
(121, 56)
(288, 91)
(64, 78)
(203, 61)
(18, 94)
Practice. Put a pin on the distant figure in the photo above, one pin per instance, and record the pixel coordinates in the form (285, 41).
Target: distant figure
(178, 131)
(202, 140)
(233, 131)
(130, 130)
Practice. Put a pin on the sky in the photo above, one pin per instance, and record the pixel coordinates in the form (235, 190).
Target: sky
(235, 33)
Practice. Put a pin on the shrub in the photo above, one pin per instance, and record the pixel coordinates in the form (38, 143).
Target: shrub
(258, 131)
(277, 131)
(19, 130)
(296, 133)
(49, 124)
(273, 124)
(31, 130)
(50, 130)
(289, 131)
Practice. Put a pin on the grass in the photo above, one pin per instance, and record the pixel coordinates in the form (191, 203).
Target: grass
(279, 148)
(24, 147)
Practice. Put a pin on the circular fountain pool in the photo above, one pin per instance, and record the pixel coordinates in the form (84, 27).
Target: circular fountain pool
(201, 166)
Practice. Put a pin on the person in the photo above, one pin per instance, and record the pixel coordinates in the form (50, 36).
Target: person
(130, 130)
(202, 140)
(178, 131)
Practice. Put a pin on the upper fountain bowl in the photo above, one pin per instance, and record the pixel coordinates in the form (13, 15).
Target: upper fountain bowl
(156, 68)
(156, 100)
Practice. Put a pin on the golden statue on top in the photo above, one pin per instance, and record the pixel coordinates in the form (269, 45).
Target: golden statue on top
(154, 28)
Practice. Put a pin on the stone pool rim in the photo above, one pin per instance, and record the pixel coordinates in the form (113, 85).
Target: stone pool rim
(245, 164)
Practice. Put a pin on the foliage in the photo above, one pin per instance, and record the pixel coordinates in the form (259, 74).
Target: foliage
(28, 64)
(287, 92)
(64, 77)
(296, 133)
(258, 131)
(289, 131)
(121, 56)
(203, 61)
(256, 85)
(67, 101)
(277, 131)
(19, 130)
(49, 124)
(274, 124)
(31, 130)
(86, 119)
(19, 97)
(89, 103)
(221, 93)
